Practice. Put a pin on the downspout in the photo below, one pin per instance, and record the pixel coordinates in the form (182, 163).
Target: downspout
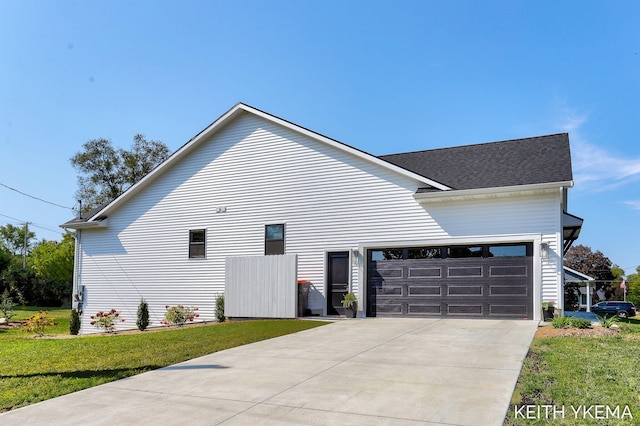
(77, 298)
(560, 244)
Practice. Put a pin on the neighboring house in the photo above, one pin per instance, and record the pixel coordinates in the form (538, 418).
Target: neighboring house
(586, 293)
(475, 231)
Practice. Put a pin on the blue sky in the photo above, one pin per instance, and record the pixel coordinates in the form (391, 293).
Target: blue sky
(383, 76)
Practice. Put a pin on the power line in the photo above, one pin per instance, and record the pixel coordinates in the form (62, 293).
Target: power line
(36, 198)
(24, 221)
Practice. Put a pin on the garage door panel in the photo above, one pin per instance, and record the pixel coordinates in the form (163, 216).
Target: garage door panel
(389, 273)
(508, 271)
(388, 308)
(465, 309)
(509, 290)
(424, 290)
(493, 286)
(424, 309)
(464, 290)
(508, 310)
(464, 271)
(425, 272)
(388, 290)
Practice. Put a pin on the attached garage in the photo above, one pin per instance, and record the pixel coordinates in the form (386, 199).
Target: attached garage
(470, 281)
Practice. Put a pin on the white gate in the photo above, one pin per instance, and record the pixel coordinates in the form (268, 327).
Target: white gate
(261, 286)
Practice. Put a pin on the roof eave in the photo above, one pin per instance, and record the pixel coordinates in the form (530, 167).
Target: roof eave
(104, 223)
(478, 193)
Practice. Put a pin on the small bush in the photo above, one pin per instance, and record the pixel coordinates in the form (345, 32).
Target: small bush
(561, 322)
(179, 315)
(106, 321)
(580, 323)
(74, 323)
(38, 322)
(219, 312)
(143, 315)
(6, 305)
(607, 321)
(566, 322)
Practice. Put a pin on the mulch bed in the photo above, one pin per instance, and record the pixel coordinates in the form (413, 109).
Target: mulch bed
(549, 331)
(19, 324)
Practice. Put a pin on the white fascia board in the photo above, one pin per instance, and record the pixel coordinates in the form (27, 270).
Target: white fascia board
(222, 120)
(504, 191)
(86, 225)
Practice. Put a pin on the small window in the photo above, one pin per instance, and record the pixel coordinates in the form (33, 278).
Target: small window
(386, 254)
(465, 251)
(274, 239)
(425, 253)
(196, 243)
(519, 250)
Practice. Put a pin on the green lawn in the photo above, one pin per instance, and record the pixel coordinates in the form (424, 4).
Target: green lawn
(36, 369)
(581, 373)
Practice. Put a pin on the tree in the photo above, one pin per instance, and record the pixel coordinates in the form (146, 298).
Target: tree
(633, 282)
(13, 238)
(52, 264)
(53, 260)
(105, 172)
(595, 264)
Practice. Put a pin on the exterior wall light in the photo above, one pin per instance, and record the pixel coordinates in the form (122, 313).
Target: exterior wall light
(355, 255)
(544, 250)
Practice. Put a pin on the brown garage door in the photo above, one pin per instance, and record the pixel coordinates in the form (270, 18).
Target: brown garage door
(479, 281)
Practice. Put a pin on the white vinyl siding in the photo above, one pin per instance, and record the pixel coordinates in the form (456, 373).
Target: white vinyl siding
(253, 173)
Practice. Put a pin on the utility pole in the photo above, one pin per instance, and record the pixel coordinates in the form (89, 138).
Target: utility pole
(24, 247)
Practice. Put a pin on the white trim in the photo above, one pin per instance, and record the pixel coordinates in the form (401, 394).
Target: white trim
(478, 193)
(535, 239)
(573, 271)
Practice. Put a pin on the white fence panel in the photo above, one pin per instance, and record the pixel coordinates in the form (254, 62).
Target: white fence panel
(261, 286)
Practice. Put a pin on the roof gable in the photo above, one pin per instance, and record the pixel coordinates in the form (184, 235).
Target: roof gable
(217, 125)
(529, 161)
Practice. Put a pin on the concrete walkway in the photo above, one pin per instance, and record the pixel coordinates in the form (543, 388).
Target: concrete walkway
(356, 372)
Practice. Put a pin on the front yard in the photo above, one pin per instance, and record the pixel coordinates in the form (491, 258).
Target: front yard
(36, 369)
(580, 380)
(568, 378)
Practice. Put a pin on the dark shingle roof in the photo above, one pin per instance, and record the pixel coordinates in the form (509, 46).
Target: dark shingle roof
(541, 159)
(86, 215)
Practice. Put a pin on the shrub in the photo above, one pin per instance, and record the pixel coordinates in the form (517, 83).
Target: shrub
(74, 323)
(607, 321)
(179, 315)
(6, 305)
(566, 322)
(106, 321)
(38, 322)
(561, 322)
(219, 312)
(580, 323)
(143, 315)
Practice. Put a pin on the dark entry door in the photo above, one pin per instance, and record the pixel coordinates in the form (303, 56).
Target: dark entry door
(337, 281)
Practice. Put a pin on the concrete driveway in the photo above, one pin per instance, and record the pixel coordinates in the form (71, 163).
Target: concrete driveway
(355, 372)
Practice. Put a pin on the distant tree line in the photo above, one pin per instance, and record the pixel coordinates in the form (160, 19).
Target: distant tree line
(46, 278)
